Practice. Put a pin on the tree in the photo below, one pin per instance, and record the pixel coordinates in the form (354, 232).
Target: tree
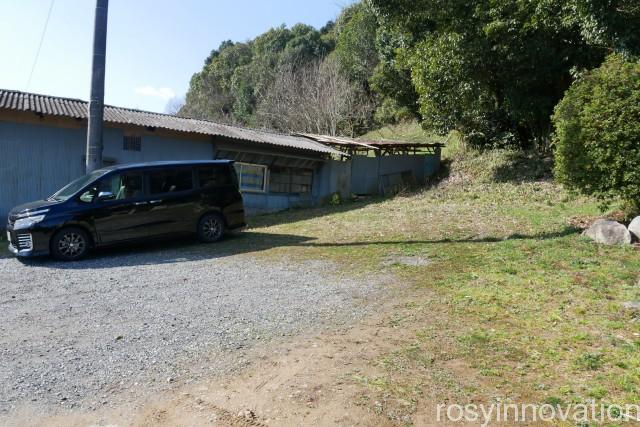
(174, 105)
(210, 94)
(391, 79)
(611, 23)
(236, 76)
(316, 98)
(597, 138)
(495, 69)
(356, 42)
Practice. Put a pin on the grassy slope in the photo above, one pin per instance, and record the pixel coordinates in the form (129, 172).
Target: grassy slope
(410, 131)
(515, 303)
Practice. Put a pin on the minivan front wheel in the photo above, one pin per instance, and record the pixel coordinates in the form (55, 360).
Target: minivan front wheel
(70, 244)
(211, 228)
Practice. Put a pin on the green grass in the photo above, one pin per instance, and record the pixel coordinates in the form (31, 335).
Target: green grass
(529, 307)
(410, 131)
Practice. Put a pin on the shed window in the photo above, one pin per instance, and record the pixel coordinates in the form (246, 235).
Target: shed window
(251, 177)
(290, 180)
(132, 143)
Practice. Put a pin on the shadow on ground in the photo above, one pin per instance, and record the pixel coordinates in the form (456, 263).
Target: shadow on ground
(524, 166)
(185, 250)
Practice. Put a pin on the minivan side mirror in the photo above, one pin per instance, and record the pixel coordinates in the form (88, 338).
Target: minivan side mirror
(106, 195)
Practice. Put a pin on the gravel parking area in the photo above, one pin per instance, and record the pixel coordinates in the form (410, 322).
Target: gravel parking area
(82, 335)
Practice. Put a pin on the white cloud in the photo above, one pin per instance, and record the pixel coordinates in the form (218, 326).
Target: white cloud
(162, 92)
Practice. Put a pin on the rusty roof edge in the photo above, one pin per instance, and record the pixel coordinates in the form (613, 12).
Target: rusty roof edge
(325, 139)
(371, 144)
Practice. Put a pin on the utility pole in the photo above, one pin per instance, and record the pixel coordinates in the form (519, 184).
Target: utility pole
(96, 102)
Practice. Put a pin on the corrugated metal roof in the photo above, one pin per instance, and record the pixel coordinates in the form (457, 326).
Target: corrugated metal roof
(78, 109)
(360, 143)
(339, 141)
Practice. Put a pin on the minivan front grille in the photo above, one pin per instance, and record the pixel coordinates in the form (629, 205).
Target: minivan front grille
(25, 242)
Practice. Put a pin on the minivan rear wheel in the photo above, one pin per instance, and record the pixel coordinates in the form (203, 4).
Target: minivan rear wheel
(70, 244)
(211, 228)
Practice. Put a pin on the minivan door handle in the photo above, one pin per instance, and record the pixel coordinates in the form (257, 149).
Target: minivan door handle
(140, 203)
(155, 202)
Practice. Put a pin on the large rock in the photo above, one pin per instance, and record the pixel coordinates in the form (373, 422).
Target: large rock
(608, 233)
(634, 227)
(631, 305)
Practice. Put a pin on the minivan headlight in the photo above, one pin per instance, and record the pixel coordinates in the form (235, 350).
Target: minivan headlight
(28, 221)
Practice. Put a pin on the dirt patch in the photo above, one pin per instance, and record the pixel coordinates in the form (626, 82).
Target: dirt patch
(307, 382)
(348, 376)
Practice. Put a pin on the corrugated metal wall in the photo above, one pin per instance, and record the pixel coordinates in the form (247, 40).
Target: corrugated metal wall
(155, 148)
(263, 203)
(334, 177)
(366, 171)
(37, 160)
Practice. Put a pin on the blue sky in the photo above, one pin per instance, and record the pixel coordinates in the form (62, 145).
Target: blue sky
(153, 46)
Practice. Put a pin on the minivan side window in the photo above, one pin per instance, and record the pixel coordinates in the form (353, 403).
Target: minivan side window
(170, 180)
(213, 176)
(123, 186)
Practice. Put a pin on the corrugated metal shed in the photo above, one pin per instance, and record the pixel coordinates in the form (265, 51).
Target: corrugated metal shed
(78, 109)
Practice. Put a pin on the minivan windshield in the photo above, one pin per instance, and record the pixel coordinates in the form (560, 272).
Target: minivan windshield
(74, 186)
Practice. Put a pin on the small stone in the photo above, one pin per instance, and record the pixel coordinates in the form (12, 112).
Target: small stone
(170, 379)
(247, 414)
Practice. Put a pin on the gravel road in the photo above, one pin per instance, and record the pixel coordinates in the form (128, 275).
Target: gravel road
(84, 335)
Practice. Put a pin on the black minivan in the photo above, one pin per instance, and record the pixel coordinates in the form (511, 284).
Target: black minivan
(130, 202)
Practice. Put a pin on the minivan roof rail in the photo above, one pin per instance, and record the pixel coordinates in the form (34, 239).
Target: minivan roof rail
(167, 163)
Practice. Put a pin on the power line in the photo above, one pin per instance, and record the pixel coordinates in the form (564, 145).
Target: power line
(44, 31)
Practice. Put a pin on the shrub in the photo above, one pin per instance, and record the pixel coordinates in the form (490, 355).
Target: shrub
(335, 199)
(590, 361)
(597, 132)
